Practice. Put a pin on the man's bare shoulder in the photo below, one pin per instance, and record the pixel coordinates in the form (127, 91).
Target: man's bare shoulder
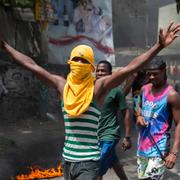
(99, 83)
(173, 97)
(100, 91)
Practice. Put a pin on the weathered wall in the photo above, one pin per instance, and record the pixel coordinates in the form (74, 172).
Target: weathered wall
(18, 93)
(129, 17)
(18, 87)
(135, 22)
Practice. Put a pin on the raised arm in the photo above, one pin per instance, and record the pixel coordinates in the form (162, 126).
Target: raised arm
(50, 79)
(165, 38)
(128, 84)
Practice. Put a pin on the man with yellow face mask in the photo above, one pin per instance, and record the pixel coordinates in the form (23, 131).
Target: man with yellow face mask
(81, 97)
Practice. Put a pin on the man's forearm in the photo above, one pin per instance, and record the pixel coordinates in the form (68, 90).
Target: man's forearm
(31, 65)
(128, 84)
(18, 56)
(121, 74)
(176, 144)
(141, 60)
(127, 123)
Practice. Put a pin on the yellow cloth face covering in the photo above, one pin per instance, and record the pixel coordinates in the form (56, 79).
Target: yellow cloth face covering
(79, 87)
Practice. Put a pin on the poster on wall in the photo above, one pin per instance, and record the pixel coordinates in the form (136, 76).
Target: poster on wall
(80, 22)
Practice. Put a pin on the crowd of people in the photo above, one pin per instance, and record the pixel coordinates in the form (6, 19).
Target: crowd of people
(90, 106)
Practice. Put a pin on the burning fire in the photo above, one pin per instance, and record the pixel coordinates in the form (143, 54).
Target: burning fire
(41, 173)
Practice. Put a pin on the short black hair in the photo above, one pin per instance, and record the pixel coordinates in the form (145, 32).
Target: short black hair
(156, 63)
(107, 63)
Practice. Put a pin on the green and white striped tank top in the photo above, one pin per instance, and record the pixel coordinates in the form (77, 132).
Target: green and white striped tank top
(81, 140)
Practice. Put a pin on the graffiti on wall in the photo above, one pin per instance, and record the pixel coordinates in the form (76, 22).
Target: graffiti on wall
(18, 93)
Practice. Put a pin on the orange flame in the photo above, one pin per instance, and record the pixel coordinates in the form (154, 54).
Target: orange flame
(41, 174)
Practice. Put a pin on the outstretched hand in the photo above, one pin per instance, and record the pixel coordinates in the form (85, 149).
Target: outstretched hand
(170, 35)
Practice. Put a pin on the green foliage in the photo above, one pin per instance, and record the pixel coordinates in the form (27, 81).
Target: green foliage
(17, 3)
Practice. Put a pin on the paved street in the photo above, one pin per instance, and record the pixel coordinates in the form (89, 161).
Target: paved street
(129, 161)
(40, 144)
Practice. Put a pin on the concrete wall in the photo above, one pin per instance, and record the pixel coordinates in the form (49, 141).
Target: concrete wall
(19, 89)
(135, 22)
(129, 18)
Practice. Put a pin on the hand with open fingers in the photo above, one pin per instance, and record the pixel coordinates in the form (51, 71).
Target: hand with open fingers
(166, 38)
(126, 143)
(141, 121)
(170, 160)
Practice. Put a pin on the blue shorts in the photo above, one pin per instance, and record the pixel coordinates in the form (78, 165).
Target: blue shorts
(108, 155)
